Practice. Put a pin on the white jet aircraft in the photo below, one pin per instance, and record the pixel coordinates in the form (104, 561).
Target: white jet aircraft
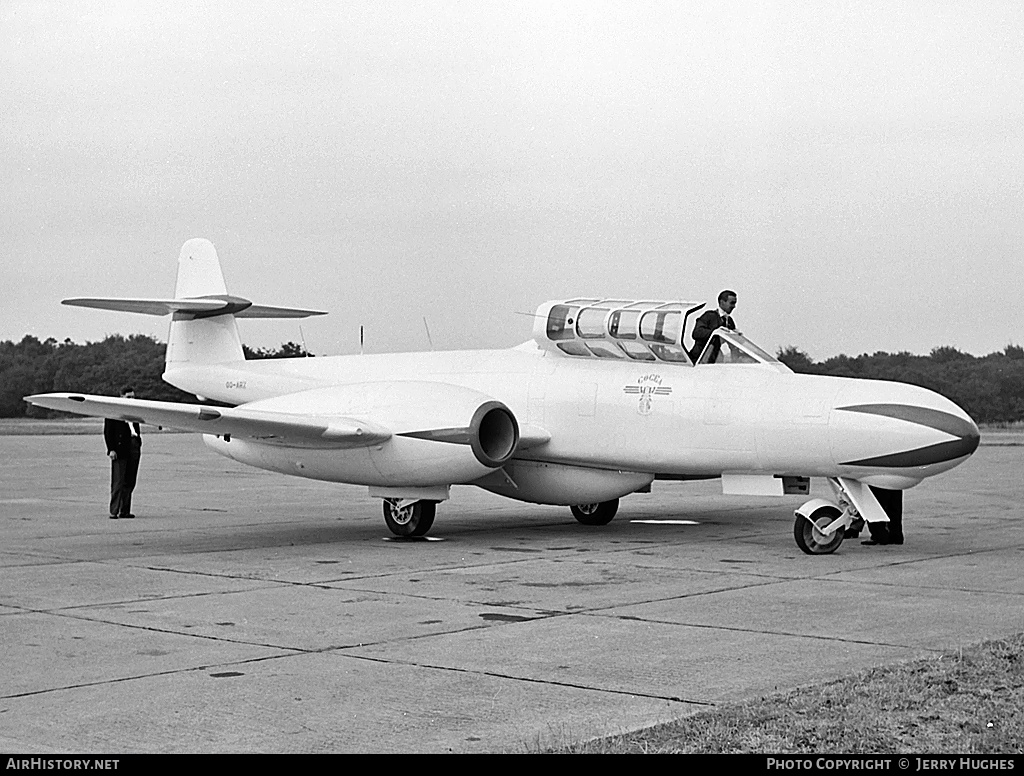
(601, 402)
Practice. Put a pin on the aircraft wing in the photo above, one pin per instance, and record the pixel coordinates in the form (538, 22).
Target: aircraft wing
(282, 428)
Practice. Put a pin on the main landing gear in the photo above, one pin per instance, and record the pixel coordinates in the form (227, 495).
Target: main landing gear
(596, 514)
(414, 519)
(409, 520)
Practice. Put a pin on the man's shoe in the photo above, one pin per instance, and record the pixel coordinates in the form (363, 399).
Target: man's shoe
(873, 542)
(113, 517)
(129, 516)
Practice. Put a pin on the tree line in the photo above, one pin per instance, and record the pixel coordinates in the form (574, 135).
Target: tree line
(34, 366)
(990, 388)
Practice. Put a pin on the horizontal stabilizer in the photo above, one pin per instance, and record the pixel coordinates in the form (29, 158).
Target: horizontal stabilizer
(266, 311)
(280, 428)
(205, 307)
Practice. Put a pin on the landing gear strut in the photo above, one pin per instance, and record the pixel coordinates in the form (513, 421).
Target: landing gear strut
(412, 519)
(596, 514)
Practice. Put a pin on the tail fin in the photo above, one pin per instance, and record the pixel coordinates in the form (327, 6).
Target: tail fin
(203, 328)
(202, 338)
(199, 272)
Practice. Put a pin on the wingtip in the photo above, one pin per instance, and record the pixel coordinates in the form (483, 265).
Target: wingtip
(41, 398)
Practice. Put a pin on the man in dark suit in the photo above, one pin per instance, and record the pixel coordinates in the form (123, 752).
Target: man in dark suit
(711, 320)
(882, 533)
(124, 448)
(891, 532)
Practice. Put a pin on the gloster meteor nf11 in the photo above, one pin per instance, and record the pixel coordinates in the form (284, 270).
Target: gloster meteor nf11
(602, 401)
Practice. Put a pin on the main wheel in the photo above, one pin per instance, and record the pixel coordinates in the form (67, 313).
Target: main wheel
(809, 537)
(412, 520)
(596, 514)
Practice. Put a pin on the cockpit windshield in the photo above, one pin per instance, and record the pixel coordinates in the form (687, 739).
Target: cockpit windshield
(730, 347)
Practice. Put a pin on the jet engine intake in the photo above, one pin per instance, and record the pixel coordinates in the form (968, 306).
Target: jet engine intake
(494, 434)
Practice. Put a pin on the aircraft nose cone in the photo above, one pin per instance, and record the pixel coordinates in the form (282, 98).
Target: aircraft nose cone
(973, 438)
(895, 427)
(928, 452)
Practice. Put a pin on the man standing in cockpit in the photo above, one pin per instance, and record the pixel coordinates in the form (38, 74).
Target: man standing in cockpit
(711, 320)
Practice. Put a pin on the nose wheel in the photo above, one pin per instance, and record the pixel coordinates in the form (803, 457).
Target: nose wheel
(810, 536)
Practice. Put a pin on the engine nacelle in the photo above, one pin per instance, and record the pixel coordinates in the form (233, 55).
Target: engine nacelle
(554, 483)
(441, 435)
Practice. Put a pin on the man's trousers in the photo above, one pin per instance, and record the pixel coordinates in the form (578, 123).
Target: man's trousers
(124, 473)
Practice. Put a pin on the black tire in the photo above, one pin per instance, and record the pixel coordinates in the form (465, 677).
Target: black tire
(413, 520)
(596, 514)
(811, 540)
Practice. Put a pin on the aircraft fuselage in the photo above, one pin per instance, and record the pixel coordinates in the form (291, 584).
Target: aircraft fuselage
(666, 420)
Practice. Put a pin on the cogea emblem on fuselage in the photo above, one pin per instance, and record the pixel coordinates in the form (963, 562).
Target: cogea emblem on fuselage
(647, 387)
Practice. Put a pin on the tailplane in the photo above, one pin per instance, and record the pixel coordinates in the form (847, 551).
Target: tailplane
(203, 328)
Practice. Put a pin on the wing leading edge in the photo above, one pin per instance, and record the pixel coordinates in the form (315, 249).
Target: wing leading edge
(281, 428)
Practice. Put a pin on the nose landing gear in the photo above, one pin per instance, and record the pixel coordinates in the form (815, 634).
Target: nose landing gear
(819, 528)
(821, 525)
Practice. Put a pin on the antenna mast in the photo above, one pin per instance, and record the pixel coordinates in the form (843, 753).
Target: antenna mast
(429, 341)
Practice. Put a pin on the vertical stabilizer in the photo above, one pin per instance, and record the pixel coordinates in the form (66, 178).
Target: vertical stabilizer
(197, 338)
(199, 272)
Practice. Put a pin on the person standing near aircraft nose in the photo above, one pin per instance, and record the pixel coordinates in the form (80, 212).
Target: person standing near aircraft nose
(891, 532)
(124, 448)
(711, 320)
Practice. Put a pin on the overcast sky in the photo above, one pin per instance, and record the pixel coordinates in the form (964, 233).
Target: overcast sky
(854, 170)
